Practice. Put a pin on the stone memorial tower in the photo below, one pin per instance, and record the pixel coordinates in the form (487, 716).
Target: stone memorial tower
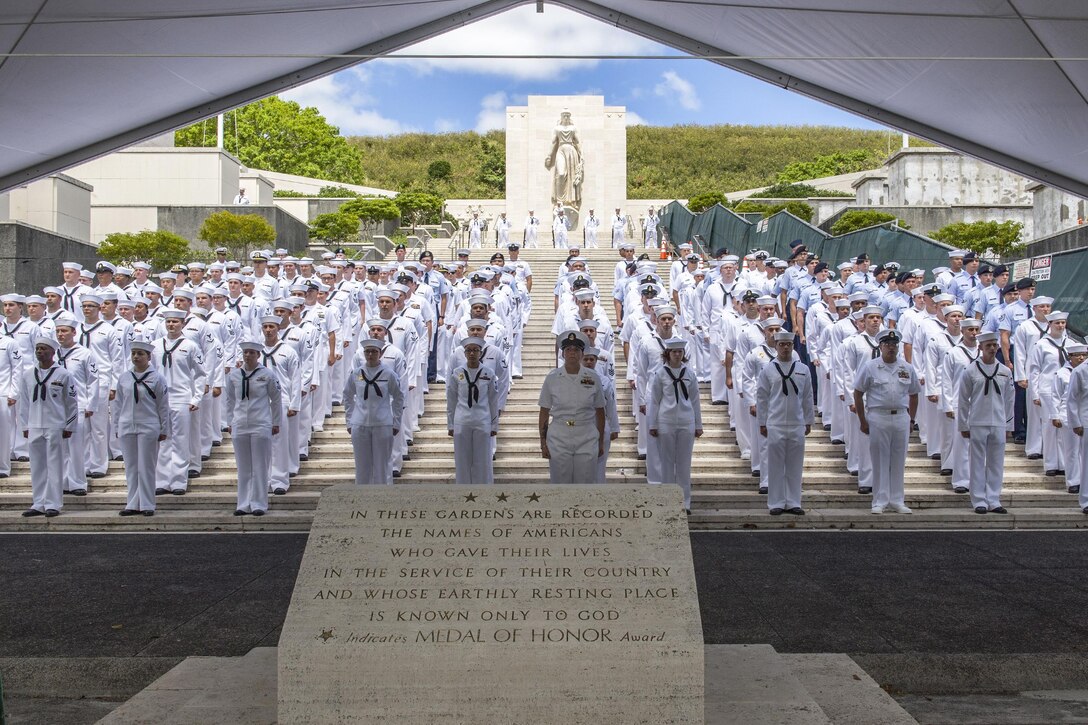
(565, 150)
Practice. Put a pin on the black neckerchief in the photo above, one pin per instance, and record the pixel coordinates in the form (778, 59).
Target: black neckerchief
(168, 354)
(270, 357)
(873, 349)
(39, 384)
(245, 382)
(990, 379)
(473, 388)
(85, 336)
(787, 377)
(371, 383)
(70, 298)
(62, 359)
(137, 382)
(11, 333)
(1063, 358)
(679, 387)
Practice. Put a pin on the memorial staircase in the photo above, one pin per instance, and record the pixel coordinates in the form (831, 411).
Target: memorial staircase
(724, 492)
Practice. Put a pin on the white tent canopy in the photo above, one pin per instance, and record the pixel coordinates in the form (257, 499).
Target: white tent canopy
(996, 79)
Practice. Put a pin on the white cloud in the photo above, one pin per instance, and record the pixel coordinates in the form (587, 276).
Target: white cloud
(633, 119)
(343, 101)
(446, 125)
(492, 112)
(523, 31)
(673, 86)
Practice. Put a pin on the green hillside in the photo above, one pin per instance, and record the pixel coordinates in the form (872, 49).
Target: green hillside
(662, 162)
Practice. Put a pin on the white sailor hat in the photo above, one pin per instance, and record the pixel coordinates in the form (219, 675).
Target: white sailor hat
(772, 322)
(1042, 300)
(627, 245)
(857, 316)
(937, 299)
(252, 345)
(675, 343)
(584, 294)
(783, 336)
(940, 270)
(842, 302)
(372, 343)
(591, 352)
(872, 310)
(127, 271)
(65, 319)
(86, 274)
(248, 277)
(44, 340)
(302, 260)
(859, 297)
(72, 265)
(387, 292)
(889, 335)
(466, 341)
(956, 253)
(282, 304)
(766, 300)
(167, 275)
(184, 293)
(139, 301)
(141, 345)
(282, 252)
(219, 291)
(108, 296)
(170, 314)
(573, 337)
(917, 292)
(969, 322)
(153, 288)
(954, 308)
(13, 297)
(665, 310)
(830, 286)
(780, 264)
(296, 301)
(196, 265)
(270, 320)
(462, 253)
(211, 267)
(480, 299)
(591, 323)
(1057, 316)
(298, 288)
(476, 322)
(90, 299)
(201, 311)
(34, 300)
(685, 245)
(1075, 348)
(52, 290)
(655, 302)
(730, 259)
(126, 303)
(987, 337)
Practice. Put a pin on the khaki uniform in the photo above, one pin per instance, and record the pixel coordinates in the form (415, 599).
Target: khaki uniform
(573, 438)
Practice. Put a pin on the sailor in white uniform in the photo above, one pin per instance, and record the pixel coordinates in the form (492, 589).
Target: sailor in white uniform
(591, 226)
(475, 226)
(619, 229)
(1076, 411)
(571, 419)
(46, 419)
(784, 414)
(373, 409)
(472, 415)
(532, 230)
(254, 403)
(279, 356)
(559, 231)
(984, 407)
(596, 360)
(142, 423)
(502, 226)
(80, 364)
(674, 418)
(179, 361)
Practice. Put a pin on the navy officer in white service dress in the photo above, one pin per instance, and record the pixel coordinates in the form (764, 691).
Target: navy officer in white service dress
(572, 415)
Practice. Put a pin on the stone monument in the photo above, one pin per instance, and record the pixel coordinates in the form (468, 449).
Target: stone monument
(488, 604)
(583, 146)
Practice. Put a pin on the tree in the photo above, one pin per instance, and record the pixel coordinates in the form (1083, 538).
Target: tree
(799, 209)
(859, 219)
(784, 190)
(492, 165)
(160, 249)
(337, 228)
(281, 136)
(439, 170)
(830, 165)
(239, 233)
(371, 210)
(702, 202)
(419, 207)
(336, 192)
(992, 238)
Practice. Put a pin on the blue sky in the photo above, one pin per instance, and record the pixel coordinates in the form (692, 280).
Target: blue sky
(436, 95)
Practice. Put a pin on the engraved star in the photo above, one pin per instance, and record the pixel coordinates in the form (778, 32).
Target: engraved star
(502, 497)
(326, 635)
(533, 497)
(470, 497)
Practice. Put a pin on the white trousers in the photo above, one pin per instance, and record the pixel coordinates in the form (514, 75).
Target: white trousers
(472, 455)
(640, 429)
(531, 239)
(515, 352)
(46, 468)
(75, 456)
(209, 422)
(929, 423)
(20, 447)
(1070, 445)
(1053, 460)
(987, 464)
(717, 373)
(1034, 443)
(253, 456)
(674, 448)
(445, 344)
(195, 432)
(785, 462)
(1080, 478)
(838, 414)
(9, 428)
(602, 461)
(888, 436)
(283, 452)
(114, 440)
(141, 453)
(944, 428)
(743, 420)
(573, 452)
(172, 468)
(862, 447)
(591, 240)
(960, 460)
(96, 441)
(372, 446)
(654, 470)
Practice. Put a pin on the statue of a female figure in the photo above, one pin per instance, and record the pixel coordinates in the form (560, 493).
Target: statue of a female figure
(565, 163)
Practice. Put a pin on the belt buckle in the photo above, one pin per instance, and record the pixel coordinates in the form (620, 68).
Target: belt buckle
(893, 412)
(569, 423)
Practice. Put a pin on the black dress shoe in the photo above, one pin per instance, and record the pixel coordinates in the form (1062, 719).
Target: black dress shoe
(66, 492)
(396, 474)
(796, 511)
(194, 474)
(147, 513)
(205, 458)
(865, 490)
(518, 377)
(79, 492)
(127, 512)
(763, 490)
(935, 457)
(755, 474)
(292, 475)
(279, 491)
(642, 456)
(240, 512)
(23, 459)
(179, 492)
(410, 442)
(1035, 456)
(161, 491)
(406, 457)
(1052, 472)
(980, 510)
(96, 475)
(1083, 510)
(999, 510)
(838, 442)
(777, 512)
(50, 513)
(4, 475)
(1019, 440)
(959, 489)
(35, 512)
(303, 458)
(216, 444)
(946, 472)
(1073, 489)
(853, 473)
(258, 512)
(717, 402)
(827, 427)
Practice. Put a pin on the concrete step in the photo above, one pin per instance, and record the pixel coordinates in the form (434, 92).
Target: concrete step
(846, 694)
(752, 684)
(861, 518)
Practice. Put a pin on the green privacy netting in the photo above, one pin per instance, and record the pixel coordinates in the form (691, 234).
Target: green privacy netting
(1065, 284)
